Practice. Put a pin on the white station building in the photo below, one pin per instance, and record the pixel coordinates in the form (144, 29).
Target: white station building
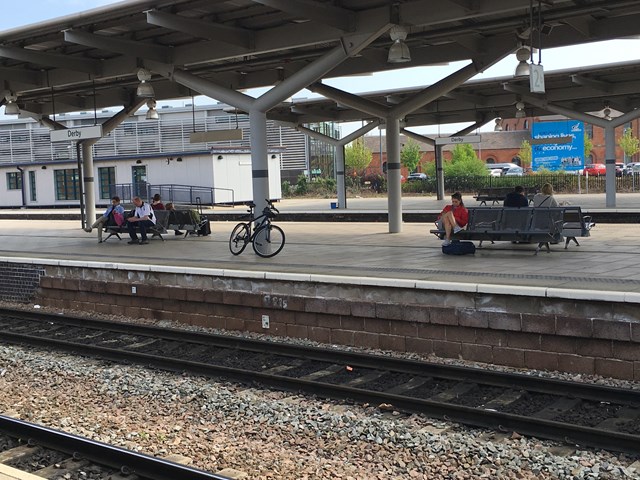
(144, 157)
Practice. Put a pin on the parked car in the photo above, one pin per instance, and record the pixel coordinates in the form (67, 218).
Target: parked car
(514, 172)
(594, 169)
(629, 168)
(495, 172)
(417, 176)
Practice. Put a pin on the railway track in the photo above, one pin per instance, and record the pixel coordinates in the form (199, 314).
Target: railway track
(47, 453)
(575, 413)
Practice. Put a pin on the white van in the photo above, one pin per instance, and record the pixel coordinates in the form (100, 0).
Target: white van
(504, 166)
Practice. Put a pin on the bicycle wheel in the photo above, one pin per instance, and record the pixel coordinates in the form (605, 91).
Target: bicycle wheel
(239, 238)
(268, 241)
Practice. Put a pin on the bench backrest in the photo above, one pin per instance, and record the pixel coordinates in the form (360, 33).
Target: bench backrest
(515, 219)
(162, 218)
(483, 219)
(546, 220)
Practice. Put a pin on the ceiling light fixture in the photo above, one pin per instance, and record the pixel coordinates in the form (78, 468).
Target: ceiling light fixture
(606, 112)
(144, 90)
(398, 52)
(522, 55)
(11, 108)
(520, 113)
(498, 127)
(152, 113)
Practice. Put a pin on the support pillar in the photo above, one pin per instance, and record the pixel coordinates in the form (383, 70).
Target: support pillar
(259, 162)
(439, 172)
(341, 188)
(393, 175)
(610, 161)
(88, 183)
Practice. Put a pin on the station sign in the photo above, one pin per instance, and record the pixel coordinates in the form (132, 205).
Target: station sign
(75, 134)
(455, 140)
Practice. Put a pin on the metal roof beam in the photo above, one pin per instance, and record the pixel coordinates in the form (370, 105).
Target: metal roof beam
(52, 60)
(598, 85)
(212, 31)
(124, 47)
(324, 13)
(22, 75)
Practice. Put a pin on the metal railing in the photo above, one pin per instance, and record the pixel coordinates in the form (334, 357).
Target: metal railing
(177, 194)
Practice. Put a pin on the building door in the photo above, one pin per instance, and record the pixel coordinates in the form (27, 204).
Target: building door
(139, 181)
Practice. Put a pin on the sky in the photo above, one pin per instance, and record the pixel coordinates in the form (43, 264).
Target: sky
(34, 11)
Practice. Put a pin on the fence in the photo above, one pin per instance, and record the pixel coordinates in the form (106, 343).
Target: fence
(562, 183)
(178, 194)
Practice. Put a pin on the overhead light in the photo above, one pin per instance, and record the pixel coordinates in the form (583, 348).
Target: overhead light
(11, 107)
(520, 113)
(522, 55)
(144, 90)
(152, 113)
(398, 52)
(498, 127)
(607, 113)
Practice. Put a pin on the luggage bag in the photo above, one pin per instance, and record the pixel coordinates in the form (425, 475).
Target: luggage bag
(459, 248)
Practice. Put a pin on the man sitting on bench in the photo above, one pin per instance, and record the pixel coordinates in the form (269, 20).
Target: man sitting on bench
(142, 218)
(516, 198)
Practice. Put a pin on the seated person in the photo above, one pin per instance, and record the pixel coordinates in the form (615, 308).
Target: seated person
(156, 202)
(142, 218)
(545, 198)
(516, 198)
(169, 206)
(111, 215)
(453, 218)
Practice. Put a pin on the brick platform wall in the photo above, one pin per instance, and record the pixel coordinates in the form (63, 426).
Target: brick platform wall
(19, 282)
(576, 336)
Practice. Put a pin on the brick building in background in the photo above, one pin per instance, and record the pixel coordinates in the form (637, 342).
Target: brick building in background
(503, 147)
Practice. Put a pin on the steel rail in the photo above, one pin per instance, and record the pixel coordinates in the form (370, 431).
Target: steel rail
(479, 417)
(126, 461)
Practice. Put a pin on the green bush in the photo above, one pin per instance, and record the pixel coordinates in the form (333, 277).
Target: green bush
(286, 189)
(302, 187)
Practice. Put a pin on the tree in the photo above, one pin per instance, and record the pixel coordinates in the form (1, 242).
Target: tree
(357, 156)
(525, 154)
(410, 155)
(629, 144)
(588, 146)
(464, 161)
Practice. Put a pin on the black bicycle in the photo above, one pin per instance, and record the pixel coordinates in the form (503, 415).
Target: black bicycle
(267, 239)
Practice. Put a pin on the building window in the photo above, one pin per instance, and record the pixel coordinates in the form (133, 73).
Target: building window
(32, 185)
(67, 184)
(107, 178)
(14, 181)
(588, 130)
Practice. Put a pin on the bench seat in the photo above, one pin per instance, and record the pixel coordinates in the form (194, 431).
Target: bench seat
(159, 229)
(543, 226)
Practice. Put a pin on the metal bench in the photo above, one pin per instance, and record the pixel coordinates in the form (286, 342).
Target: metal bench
(498, 194)
(518, 225)
(575, 224)
(159, 229)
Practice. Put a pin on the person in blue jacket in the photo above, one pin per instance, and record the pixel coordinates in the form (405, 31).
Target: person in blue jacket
(109, 216)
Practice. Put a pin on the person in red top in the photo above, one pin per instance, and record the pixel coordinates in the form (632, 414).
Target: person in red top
(453, 218)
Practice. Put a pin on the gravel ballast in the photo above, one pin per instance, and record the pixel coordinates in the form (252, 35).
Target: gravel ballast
(271, 435)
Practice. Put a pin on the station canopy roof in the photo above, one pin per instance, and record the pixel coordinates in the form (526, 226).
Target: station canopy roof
(92, 59)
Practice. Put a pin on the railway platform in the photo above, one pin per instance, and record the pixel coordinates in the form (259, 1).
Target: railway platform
(350, 283)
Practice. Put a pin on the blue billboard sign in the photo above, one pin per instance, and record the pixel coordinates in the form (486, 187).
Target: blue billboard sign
(558, 156)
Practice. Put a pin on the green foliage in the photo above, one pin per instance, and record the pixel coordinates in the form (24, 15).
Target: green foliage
(357, 156)
(588, 146)
(302, 187)
(464, 161)
(629, 144)
(286, 188)
(410, 155)
(525, 153)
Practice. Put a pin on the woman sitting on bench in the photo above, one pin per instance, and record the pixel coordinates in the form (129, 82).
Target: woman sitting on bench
(453, 218)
